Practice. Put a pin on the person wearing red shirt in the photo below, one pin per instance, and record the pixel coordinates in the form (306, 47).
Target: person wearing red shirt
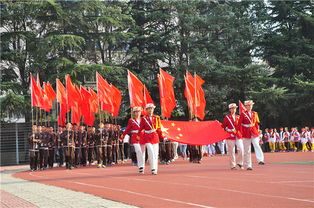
(249, 125)
(230, 124)
(133, 129)
(151, 125)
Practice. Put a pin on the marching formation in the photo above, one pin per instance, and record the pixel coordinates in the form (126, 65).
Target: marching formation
(75, 146)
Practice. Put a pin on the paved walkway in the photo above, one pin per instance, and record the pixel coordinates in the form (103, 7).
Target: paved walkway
(21, 193)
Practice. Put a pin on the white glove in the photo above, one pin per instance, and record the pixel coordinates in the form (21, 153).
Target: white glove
(165, 139)
(126, 138)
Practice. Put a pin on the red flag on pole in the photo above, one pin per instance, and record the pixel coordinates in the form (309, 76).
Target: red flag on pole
(73, 96)
(117, 97)
(46, 104)
(241, 107)
(136, 88)
(195, 95)
(166, 91)
(94, 101)
(36, 95)
(88, 115)
(104, 94)
(200, 102)
(51, 94)
(62, 100)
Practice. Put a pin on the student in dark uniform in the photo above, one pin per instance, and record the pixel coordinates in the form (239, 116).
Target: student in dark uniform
(84, 147)
(68, 139)
(60, 146)
(101, 142)
(91, 144)
(108, 131)
(77, 142)
(43, 148)
(33, 148)
(51, 146)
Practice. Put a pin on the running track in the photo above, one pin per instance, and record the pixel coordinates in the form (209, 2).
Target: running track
(184, 184)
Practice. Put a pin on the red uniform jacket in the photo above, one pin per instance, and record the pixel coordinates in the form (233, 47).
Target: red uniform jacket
(152, 130)
(249, 124)
(231, 126)
(133, 128)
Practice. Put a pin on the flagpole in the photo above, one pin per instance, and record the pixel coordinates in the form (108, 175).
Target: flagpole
(32, 103)
(195, 94)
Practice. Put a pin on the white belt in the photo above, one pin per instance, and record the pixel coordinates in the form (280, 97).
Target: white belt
(229, 130)
(247, 125)
(134, 131)
(150, 131)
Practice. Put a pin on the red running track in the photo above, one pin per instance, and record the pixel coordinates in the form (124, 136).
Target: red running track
(184, 184)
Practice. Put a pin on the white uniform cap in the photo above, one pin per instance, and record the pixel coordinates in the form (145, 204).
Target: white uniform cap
(232, 105)
(150, 105)
(137, 108)
(248, 102)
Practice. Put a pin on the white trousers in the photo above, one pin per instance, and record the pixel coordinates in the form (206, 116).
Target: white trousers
(258, 150)
(231, 152)
(153, 152)
(175, 149)
(211, 149)
(221, 146)
(247, 152)
(140, 155)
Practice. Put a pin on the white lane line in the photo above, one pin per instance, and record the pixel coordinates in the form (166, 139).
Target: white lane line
(279, 183)
(293, 181)
(145, 195)
(229, 190)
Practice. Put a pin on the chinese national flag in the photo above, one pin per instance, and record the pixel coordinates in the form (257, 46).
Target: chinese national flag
(36, 93)
(166, 91)
(88, 115)
(194, 132)
(117, 97)
(104, 94)
(94, 101)
(136, 89)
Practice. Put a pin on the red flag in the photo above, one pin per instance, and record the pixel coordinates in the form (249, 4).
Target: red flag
(136, 89)
(94, 101)
(62, 100)
(166, 91)
(117, 97)
(51, 94)
(73, 96)
(195, 95)
(104, 94)
(46, 104)
(36, 95)
(61, 92)
(147, 97)
(194, 132)
(241, 107)
(88, 115)
(200, 102)
(189, 91)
